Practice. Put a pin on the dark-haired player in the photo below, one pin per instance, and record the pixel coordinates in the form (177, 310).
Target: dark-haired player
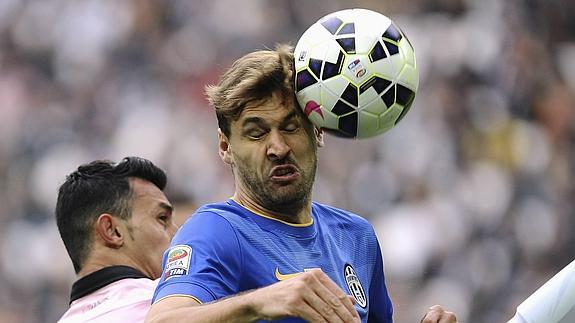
(115, 222)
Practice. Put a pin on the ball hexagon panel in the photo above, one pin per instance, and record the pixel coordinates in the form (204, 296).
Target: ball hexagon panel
(403, 95)
(407, 52)
(389, 67)
(377, 83)
(350, 94)
(347, 125)
(392, 33)
(371, 23)
(347, 28)
(335, 86)
(409, 77)
(347, 44)
(367, 97)
(369, 124)
(332, 24)
(392, 48)
(329, 120)
(388, 96)
(388, 119)
(315, 66)
(364, 44)
(341, 108)
(328, 97)
(304, 79)
(316, 45)
(331, 67)
(377, 52)
(310, 93)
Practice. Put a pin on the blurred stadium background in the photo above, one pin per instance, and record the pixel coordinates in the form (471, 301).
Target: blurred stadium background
(472, 195)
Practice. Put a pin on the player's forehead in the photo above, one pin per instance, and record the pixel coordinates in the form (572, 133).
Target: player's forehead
(145, 192)
(273, 110)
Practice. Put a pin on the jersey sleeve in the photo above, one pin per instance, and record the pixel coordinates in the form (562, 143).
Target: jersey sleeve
(203, 261)
(381, 308)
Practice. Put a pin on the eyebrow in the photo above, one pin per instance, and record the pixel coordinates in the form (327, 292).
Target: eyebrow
(260, 121)
(166, 206)
(255, 120)
(290, 116)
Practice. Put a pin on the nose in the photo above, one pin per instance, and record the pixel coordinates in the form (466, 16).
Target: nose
(277, 147)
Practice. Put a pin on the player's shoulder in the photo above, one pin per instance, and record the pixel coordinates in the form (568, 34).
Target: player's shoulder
(334, 214)
(209, 222)
(115, 302)
(213, 213)
(136, 284)
(217, 208)
(126, 291)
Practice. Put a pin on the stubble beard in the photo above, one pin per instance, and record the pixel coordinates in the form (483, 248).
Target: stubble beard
(289, 199)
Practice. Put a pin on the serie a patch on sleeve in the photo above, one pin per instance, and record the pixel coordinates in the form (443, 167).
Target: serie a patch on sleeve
(178, 262)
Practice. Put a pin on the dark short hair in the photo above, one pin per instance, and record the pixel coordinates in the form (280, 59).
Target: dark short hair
(95, 188)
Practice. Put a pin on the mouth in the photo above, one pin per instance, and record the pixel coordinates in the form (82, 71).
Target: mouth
(284, 173)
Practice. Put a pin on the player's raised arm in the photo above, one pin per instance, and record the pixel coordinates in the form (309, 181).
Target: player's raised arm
(311, 296)
(554, 302)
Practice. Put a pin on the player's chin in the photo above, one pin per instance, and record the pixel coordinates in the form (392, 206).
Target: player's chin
(282, 189)
(288, 194)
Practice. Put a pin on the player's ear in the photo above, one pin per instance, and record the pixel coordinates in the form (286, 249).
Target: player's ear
(319, 136)
(107, 230)
(224, 148)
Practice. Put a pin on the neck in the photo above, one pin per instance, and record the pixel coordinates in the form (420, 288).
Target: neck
(301, 216)
(89, 268)
(99, 259)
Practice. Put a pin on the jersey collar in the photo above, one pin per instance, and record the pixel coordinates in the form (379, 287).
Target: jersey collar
(308, 230)
(100, 278)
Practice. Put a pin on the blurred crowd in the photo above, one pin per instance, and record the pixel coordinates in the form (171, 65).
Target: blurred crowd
(472, 194)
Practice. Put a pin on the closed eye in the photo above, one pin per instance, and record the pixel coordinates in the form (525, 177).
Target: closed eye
(291, 123)
(256, 133)
(291, 127)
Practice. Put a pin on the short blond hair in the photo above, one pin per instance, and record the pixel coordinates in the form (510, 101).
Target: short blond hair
(253, 78)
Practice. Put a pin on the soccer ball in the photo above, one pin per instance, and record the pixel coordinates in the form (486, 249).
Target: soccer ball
(356, 75)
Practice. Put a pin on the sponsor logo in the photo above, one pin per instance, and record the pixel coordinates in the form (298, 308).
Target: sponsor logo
(178, 262)
(354, 285)
(302, 56)
(312, 106)
(280, 276)
(356, 67)
(95, 304)
(353, 64)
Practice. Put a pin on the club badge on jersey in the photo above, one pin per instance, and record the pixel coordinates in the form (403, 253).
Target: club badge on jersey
(354, 285)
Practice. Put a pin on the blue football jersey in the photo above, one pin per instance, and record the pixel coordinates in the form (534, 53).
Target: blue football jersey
(224, 249)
